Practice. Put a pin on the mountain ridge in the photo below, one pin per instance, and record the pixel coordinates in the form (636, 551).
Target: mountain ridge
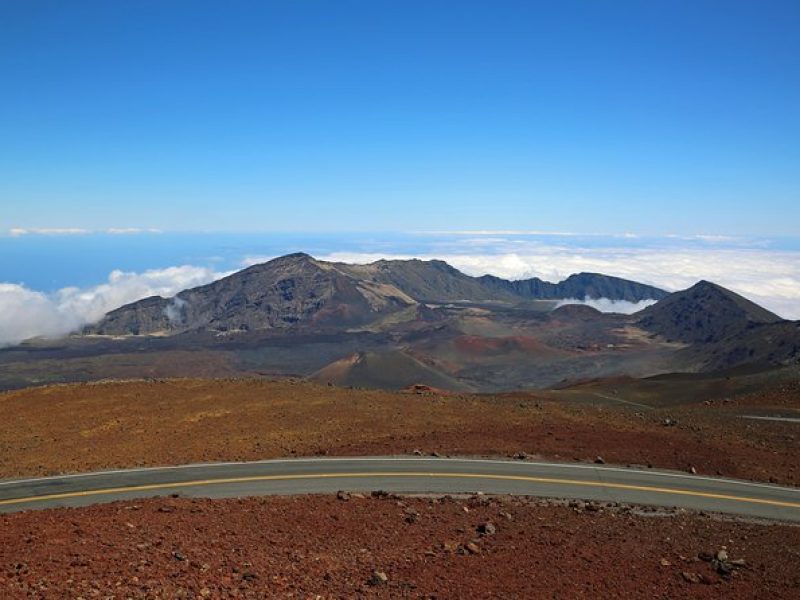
(704, 313)
(299, 290)
(579, 285)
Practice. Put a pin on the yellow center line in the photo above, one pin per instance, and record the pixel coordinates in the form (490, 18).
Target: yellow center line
(232, 480)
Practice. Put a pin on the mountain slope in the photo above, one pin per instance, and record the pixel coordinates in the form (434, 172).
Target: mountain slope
(429, 281)
(704, 313)
(580, 285)
(764, 344)
(284, 292)
(299, 291)
(391, 370)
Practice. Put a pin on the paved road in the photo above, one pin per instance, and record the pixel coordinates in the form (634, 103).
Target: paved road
(783, 419)
(401, 474)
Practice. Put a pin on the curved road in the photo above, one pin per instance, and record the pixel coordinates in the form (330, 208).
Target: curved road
(409, 475)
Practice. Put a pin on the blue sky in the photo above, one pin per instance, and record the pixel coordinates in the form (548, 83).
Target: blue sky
(653, 117)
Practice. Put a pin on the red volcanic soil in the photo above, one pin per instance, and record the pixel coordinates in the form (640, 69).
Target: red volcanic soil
(72, 428)
(322, 547)
(786, 395)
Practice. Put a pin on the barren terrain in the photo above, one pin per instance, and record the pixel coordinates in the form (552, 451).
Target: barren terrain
(85, 427)
(324, 547)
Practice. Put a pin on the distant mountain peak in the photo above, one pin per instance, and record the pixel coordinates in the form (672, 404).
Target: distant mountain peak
(705, 312)
(295, 257)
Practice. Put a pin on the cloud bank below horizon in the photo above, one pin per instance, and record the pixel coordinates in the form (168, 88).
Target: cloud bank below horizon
(26, 313)
(768, 278)
(624, 307)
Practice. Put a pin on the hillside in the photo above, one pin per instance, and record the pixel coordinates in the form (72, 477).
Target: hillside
(704, 313)
(387, 370)
(428, 281)
(763, 344)
(284, 292)
(298, 291)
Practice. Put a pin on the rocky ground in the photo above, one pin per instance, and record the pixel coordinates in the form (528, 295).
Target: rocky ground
(387, 546)
(82, 427)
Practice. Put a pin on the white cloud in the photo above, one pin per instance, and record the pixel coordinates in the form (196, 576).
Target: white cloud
(130, 230)
(505, 232)
(609, 306)
(174, 310)
(20, 231)
(702, 237)
(26, 313)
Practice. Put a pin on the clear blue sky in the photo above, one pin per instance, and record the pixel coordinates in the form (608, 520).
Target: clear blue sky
(598, 116)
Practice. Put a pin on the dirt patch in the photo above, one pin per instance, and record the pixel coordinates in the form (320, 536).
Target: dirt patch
(323, 547)
(83, 427)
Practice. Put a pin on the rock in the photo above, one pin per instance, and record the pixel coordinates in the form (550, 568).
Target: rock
(472, 548)
(690, 577)
(178, 556)
(411, 515)
(722, 567)
(487, 529)
(669, 422)
(692, 470)
(520, 456)
(417, 452)
(341, 495)
(665, 563)
(706, 556)
(378, 578)
(599, 461)
(450, 547)
(379, 494)
(738, 562)
(435, 454)
(722, 555)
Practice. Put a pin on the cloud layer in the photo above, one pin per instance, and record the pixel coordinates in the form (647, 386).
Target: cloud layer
(26, 313)
(611, 306)
(769, 278)
(20, 231)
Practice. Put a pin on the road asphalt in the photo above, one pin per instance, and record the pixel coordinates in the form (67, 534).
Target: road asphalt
(409, 475)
